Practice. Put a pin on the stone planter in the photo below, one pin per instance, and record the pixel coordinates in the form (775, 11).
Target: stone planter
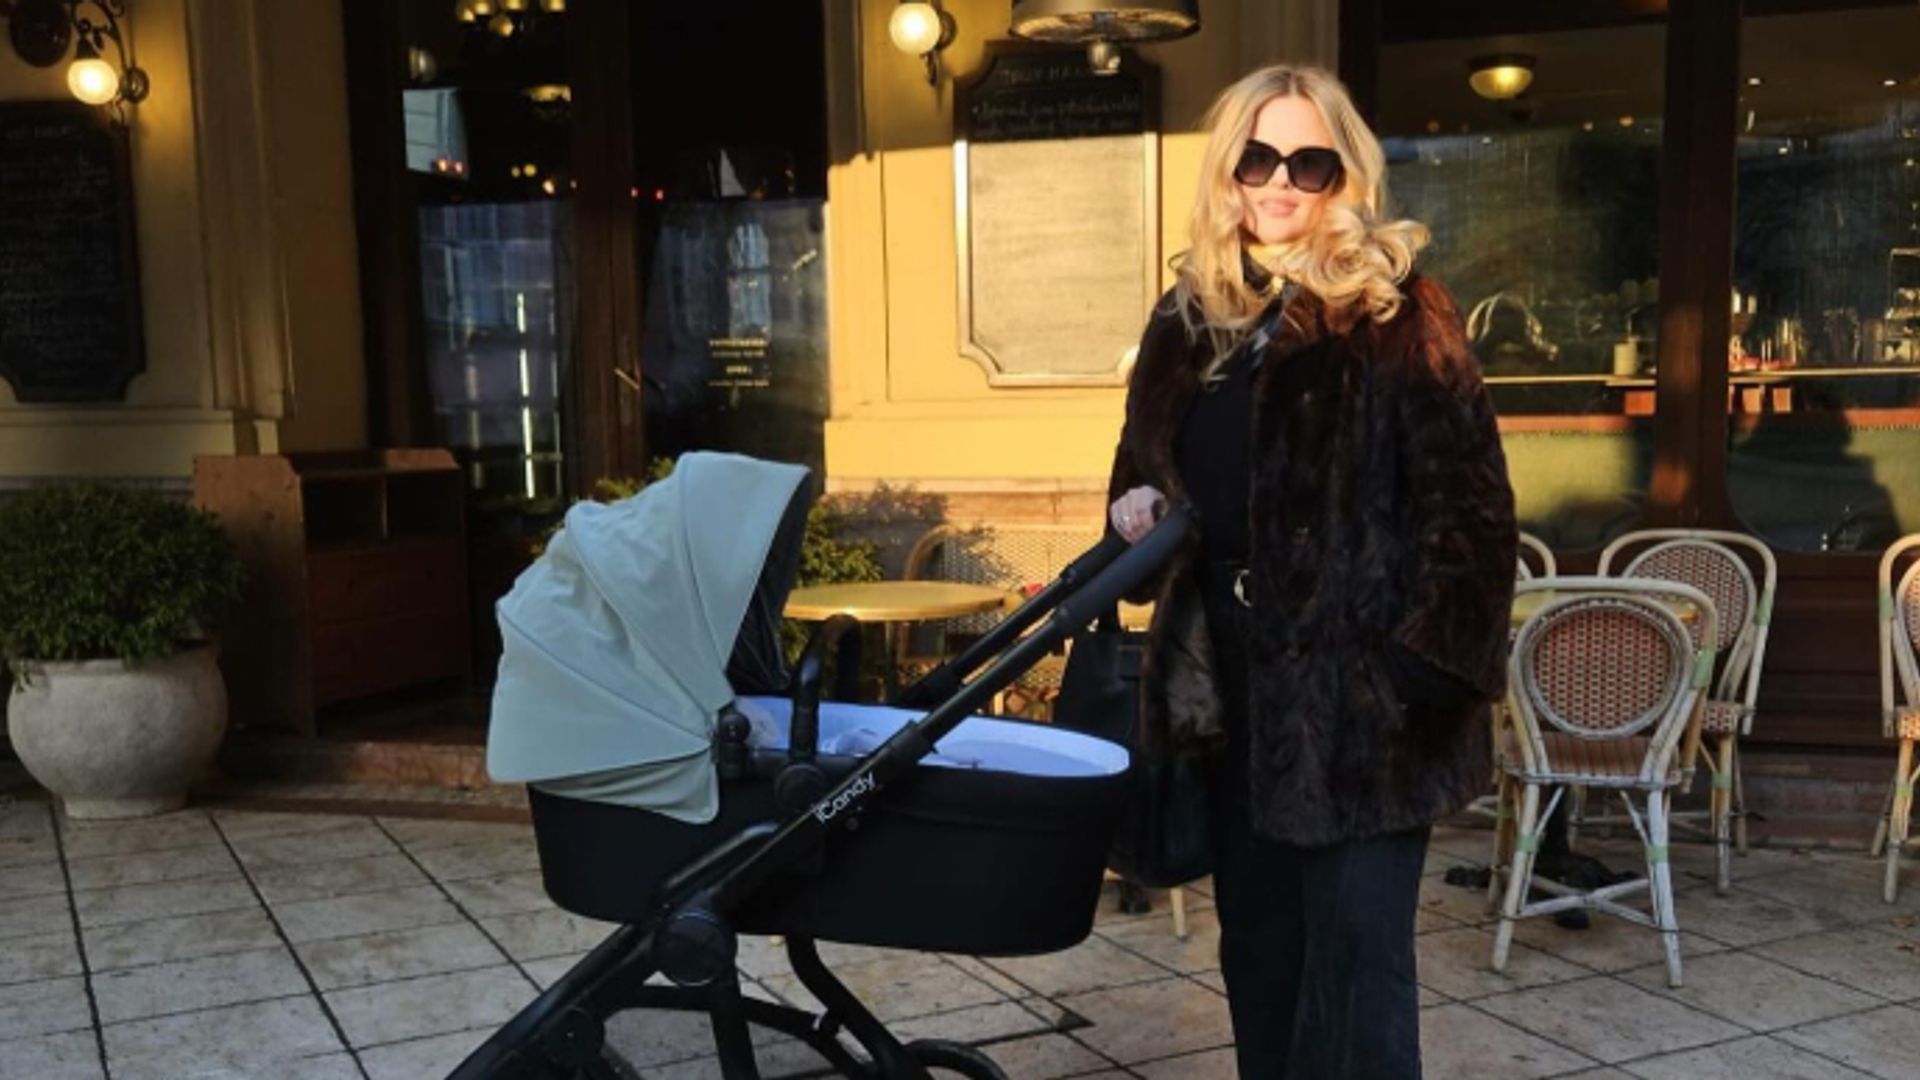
(114, 741)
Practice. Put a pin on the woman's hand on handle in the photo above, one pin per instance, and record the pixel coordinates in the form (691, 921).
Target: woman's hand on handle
(1135, 513)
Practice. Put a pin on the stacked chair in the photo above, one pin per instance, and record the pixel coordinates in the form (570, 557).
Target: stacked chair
(1722, 565)
(1605, 686)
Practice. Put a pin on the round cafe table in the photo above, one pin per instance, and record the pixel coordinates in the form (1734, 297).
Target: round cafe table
(892, 602)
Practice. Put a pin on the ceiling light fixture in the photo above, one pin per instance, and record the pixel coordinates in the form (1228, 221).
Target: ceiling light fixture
(1104, 26)
(1500, 77)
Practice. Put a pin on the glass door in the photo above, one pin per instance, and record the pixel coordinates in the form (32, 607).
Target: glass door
(730, 230)
(489, 136)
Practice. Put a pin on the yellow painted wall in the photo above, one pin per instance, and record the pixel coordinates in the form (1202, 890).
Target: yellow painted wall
(907, 406)
(306, 77)
(170, 413)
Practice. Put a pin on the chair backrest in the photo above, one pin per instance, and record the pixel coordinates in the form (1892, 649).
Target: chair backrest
(1011, 557)
(1532, 547)
(1721, 564)
(1610, 658)
(1899, 630)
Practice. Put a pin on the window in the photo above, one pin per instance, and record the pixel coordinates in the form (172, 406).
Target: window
(488, 130)
(1544, 210)
(1825, 355)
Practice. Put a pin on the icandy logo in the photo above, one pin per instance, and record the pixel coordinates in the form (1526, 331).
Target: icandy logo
(828, 810)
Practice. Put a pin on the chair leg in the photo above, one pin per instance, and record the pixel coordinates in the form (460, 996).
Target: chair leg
(1517, 879)
(1878, 846)
(1660, 873)
(1898, 817)
(1723, 816)
(1503, 828)
(1739, 802)
(1179, 898)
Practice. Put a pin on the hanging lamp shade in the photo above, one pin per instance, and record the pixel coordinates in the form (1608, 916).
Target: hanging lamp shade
(1077, 22)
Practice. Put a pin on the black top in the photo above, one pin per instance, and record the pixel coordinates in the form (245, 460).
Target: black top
(1214, 451)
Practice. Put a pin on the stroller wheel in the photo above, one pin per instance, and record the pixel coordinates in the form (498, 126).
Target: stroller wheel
(943, 1058)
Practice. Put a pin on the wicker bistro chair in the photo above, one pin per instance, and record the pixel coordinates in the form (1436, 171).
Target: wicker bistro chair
(1720, 564)
(1535, 548)
(1899, 695)
(1605, 684)
(1012, 557)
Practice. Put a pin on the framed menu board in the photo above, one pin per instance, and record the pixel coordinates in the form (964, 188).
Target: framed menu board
(1057, 215)
(69, 281)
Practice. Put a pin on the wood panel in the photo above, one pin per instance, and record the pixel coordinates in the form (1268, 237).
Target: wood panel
(606, 382)
(384, 219)
(1821, 683)
(1696, 262)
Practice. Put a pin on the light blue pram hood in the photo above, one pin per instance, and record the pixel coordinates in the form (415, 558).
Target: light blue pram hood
(618, 639)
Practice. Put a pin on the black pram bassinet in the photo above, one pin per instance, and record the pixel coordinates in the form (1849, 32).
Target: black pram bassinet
(918, 828)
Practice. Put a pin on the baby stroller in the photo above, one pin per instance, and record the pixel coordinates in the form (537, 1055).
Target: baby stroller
(686, 784)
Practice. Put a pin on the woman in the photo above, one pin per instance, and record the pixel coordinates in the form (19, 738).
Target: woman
(1336, 630)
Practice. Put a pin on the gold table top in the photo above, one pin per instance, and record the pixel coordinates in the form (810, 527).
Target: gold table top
(895, 601)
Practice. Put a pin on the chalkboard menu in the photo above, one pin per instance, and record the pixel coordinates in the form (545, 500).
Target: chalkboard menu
(69, 283)
(1056, 195)
(1052, 93)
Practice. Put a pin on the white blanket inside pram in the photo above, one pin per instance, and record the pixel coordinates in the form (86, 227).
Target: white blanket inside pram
(978, 743)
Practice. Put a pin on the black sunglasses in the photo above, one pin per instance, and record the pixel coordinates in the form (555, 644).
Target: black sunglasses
(1312, 169)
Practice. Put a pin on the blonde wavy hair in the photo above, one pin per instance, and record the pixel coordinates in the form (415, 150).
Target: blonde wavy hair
(1353, 255)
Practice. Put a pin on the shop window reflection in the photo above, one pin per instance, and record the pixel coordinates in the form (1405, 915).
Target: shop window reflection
(1544, 211)
(1825, 354)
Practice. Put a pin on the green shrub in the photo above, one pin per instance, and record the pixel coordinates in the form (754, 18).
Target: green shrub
(93, 572)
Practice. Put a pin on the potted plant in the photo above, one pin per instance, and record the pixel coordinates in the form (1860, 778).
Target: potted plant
(108, 596)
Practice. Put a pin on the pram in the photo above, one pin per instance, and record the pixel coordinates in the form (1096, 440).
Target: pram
(686, 784)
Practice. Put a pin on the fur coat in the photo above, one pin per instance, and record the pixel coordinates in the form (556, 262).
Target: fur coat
(1381, 516)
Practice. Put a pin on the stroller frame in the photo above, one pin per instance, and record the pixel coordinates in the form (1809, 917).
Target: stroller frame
(561, 1035)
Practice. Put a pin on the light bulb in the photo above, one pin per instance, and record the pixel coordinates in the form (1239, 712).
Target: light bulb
(1501, 81)
(93, 80)
(501, 24)
(914, 28)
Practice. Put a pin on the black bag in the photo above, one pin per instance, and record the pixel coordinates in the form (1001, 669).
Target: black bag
(1162, 840)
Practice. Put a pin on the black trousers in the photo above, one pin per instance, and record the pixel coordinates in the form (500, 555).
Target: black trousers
(1316, 944)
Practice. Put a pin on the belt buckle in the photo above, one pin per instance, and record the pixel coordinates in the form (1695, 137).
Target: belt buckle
(1240, 587)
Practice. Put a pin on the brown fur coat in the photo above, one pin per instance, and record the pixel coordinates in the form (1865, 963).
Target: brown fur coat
(1381, 513)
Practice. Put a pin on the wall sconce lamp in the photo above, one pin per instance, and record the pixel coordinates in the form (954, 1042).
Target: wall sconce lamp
(920, 28)
(1502, 77)
(1103, 26)
(42, 30)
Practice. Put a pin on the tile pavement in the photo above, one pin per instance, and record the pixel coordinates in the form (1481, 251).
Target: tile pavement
(226, 943)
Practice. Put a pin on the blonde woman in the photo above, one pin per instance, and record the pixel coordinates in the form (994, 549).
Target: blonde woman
(1334, 635)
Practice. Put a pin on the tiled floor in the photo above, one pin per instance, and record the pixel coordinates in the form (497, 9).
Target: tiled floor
(228, 943)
